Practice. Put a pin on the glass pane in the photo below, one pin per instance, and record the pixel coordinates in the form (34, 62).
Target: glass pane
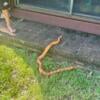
(90, 7)
(62, 5)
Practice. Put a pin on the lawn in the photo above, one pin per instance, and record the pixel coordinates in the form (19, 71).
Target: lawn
(21, 80)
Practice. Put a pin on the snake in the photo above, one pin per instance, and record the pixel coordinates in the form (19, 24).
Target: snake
(44, 53)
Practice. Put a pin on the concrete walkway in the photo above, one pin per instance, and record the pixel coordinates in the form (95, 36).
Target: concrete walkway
(83, 46)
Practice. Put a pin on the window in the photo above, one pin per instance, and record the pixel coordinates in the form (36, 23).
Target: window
(60, 5)
(88, 7)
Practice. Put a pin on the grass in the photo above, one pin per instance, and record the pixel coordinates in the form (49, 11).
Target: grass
(17, 79)
(20, 79)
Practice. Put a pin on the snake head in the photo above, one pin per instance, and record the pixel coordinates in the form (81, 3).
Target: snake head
(59, 38)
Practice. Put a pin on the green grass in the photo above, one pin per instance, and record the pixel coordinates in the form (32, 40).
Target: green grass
(20, 79)
(17, 79)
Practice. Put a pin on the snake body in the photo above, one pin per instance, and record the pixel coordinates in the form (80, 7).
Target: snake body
(43, 54)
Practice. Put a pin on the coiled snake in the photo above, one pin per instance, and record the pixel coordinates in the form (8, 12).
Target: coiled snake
(43, 54)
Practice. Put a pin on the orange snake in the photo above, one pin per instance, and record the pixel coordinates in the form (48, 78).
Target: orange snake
(43, 54)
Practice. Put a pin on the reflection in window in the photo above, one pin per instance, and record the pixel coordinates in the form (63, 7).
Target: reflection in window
(61, 5)
(90, 7)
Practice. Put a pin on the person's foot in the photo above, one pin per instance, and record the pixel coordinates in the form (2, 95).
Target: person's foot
(12, 34)
(11, 30)
(5, 30)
